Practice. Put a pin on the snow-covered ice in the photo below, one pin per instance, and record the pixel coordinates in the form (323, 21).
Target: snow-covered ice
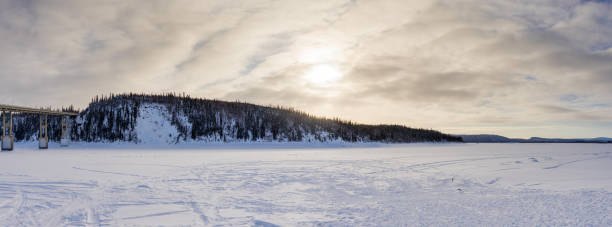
(295, 185)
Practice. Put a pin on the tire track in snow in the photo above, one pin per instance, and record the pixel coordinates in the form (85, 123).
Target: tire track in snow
(570, 162)
(92, 218)
(194, 207)
(108, 172)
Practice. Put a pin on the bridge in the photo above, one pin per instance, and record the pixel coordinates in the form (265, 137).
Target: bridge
(43, 135)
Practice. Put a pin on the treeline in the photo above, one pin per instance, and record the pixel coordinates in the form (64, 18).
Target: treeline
(115, 117)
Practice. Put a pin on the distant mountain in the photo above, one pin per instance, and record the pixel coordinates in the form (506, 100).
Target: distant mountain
(170, 119)
(602, 139)
(486, 138)
(555, 140)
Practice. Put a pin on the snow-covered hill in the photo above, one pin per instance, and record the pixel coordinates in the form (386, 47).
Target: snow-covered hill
(170, 119)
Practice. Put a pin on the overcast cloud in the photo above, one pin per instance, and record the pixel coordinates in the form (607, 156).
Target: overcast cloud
(514, 67)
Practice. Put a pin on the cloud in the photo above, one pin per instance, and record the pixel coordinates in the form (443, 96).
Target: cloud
(433, 64)
(556, 109)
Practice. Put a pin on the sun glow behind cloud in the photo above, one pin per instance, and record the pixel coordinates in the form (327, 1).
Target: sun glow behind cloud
(322, 53)
(323, 74)
(322, 62)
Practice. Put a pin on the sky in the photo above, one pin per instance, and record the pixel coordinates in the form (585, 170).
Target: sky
(517, 68)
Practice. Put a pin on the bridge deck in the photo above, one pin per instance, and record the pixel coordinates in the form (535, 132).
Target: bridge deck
(34, 110)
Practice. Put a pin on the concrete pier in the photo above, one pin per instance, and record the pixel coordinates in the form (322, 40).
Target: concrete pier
(43, 134)
(7, 131)
(65, 138)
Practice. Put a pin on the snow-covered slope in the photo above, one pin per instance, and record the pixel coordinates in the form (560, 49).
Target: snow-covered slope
(153, 125)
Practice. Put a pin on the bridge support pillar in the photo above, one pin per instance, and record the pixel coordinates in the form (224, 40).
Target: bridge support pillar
(7, 131)
(65, 133)
(43, 133)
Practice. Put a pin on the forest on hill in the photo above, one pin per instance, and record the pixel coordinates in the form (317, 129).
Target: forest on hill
(171, 118)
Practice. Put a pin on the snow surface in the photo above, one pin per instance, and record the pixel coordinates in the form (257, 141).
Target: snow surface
(296, 185)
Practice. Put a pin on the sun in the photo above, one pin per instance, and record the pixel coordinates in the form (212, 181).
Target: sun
(322, 64)
(323, 74)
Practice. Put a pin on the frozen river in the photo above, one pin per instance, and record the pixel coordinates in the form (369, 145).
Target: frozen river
(279, 185)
